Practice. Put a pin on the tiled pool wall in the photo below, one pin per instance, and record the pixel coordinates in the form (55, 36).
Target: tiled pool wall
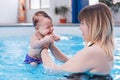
(28, 29)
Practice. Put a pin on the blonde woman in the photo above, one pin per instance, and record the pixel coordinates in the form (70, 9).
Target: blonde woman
(95, 60)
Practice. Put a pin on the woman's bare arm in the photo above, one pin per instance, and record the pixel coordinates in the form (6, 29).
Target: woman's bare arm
(58, 54)
(86, 60)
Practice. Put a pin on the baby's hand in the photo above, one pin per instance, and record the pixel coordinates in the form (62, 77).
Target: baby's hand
(56, 38)
(49, 38)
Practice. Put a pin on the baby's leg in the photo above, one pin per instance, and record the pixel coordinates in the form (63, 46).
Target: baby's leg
(34, 64)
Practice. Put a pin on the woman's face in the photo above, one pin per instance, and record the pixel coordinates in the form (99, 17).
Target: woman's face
(46, 27)
(84, 29)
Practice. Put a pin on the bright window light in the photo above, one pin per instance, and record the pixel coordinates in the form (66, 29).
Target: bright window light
(45, 3)
(115, 1)
(92, 2)
(34, 4)
(37, 4)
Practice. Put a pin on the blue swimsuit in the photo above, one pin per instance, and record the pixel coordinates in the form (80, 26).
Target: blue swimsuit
(29, 59)
(85, 76)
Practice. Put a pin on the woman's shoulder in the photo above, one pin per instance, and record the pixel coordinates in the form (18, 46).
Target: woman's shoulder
(94, 51)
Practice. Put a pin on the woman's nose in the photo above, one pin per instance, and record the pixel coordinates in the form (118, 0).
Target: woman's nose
(80, 27)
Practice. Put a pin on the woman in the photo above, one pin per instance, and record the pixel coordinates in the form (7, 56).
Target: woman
(95, 60)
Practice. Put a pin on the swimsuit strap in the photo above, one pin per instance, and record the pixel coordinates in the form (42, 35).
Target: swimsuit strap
(90, 44)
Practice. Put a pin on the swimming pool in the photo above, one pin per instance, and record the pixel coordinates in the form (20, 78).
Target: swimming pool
(14, 45)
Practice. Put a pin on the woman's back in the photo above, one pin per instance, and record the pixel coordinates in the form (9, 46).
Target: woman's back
(99, 59)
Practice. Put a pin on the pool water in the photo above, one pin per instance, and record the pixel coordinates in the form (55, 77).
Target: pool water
(13, 51)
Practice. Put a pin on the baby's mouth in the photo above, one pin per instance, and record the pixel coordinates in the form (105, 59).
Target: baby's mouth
(48, 33)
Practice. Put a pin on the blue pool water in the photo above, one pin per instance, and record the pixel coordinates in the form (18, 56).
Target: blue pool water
(13, 50)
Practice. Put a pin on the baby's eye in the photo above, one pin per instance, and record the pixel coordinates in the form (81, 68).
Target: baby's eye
(51, 25)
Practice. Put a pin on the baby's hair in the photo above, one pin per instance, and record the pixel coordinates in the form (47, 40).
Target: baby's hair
(37, 16)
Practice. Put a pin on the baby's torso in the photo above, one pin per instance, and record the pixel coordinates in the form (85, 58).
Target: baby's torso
(35, 53)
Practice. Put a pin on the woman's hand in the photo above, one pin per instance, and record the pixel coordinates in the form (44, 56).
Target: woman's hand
(49, 39)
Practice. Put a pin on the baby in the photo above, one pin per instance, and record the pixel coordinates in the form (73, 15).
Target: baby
(44, 28)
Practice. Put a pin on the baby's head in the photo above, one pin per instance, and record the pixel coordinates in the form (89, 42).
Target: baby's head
(43, 23)
(38, 16)
(45, 27)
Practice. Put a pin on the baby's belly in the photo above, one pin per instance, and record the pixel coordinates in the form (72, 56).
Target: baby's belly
(35, 53)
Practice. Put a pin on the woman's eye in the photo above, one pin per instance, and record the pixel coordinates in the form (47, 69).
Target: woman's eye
(81, 23)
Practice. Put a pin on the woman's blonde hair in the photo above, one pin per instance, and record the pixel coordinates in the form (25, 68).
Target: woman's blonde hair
(100, 25)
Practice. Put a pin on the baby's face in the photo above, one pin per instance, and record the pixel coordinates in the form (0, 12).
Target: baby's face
(46, 27)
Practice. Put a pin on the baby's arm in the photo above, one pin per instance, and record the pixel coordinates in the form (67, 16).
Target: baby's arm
(36, 43)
